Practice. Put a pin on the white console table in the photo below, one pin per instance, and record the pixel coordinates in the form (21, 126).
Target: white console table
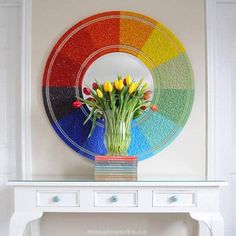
(198, 198)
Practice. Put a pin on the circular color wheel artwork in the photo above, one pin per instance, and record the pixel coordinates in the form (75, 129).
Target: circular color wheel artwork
(127, 32)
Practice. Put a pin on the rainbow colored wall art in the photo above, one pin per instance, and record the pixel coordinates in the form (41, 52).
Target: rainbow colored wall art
(118, 31)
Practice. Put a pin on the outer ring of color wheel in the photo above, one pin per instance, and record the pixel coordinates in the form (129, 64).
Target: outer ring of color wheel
(131, 33)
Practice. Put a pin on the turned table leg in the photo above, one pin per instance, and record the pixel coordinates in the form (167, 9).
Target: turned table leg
(212, 220)
(19, 220)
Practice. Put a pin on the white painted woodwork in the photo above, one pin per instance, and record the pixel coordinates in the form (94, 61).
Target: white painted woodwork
(25, 131)
(132, 197)
(182, 198)
(103, 198)
(221, 31)
(213, 222)
(21, 219)
(145, 183)
(10, 41)
(65, 198)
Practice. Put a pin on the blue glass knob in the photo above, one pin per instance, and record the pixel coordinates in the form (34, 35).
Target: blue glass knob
(56, 199)
(173, 199)
(114, 198)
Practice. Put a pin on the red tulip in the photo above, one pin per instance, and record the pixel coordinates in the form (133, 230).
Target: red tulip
(87, 91)
(77, 104)
(95, 86)
(154, 108)
(147, 95)
(91, 99)
(143, 107)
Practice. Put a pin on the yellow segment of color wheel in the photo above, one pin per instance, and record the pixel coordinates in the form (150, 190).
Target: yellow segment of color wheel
(162, 46)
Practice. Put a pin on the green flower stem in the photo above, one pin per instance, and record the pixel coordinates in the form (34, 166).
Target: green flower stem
(117, 136)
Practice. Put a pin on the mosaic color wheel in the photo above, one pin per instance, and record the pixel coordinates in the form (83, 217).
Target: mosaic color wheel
(126, 32)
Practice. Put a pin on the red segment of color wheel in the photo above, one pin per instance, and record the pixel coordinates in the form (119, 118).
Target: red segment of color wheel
(78, 48)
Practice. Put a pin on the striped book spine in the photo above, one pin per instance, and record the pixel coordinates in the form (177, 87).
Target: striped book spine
(116, 168)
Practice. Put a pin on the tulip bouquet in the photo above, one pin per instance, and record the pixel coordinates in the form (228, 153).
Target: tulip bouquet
(117, 103)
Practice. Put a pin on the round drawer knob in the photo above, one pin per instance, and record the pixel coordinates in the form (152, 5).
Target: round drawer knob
(56, 199)
(173, 199)
(114, 198)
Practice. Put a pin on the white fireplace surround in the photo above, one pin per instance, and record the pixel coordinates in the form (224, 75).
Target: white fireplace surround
(25, 164)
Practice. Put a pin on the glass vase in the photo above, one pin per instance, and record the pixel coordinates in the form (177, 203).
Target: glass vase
(117, 134)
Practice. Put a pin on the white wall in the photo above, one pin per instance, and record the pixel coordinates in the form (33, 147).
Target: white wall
(185, 157)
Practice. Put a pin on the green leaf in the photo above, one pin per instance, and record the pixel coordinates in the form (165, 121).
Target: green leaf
(137, 113)
(93, 125)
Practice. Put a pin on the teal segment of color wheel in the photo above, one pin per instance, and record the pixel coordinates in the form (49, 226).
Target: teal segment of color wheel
(157, 130)
(139, 144)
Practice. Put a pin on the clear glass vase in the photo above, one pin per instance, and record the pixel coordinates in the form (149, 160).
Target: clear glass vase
(117, 134)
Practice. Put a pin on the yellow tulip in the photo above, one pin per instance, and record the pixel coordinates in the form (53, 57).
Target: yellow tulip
(133, 87)
(136, 85)
(145, 86)
(99, 93)
(119, 85)
(128, 80)
(107, 86)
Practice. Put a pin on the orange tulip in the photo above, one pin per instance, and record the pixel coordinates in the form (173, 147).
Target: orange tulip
(154, 108)
(147, 95)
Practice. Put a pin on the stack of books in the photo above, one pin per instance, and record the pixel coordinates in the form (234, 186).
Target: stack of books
(117, 168)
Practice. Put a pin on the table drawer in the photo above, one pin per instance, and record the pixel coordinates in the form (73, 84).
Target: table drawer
(57, 198)
(122, 198)
(174, 198)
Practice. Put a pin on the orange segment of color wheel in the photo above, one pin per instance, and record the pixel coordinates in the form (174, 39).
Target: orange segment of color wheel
(134, 32)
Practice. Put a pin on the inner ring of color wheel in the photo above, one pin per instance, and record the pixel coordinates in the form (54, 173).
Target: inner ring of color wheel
(141, 37)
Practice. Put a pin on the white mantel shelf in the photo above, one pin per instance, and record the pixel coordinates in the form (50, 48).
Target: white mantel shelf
(75, 183)
(36, 196)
